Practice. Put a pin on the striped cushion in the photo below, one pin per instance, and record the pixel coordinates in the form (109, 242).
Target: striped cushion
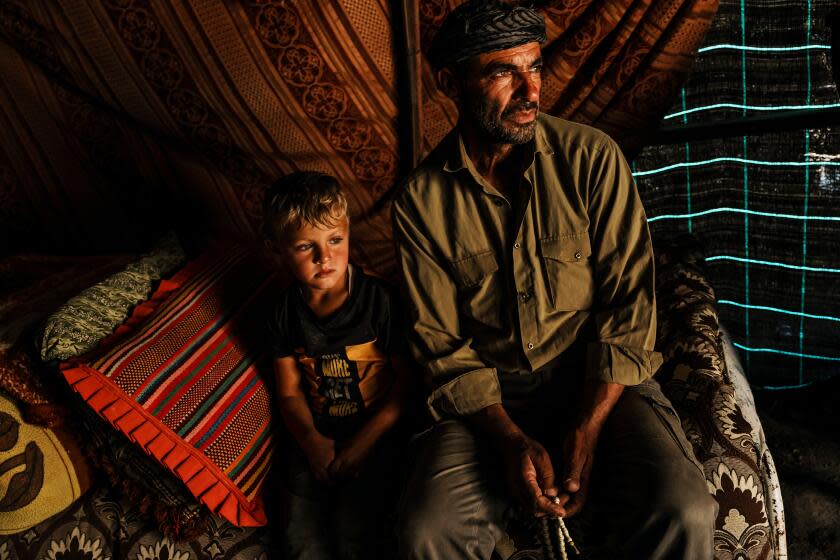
(183, 379)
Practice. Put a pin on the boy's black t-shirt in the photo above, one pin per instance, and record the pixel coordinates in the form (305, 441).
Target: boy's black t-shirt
(344, 358)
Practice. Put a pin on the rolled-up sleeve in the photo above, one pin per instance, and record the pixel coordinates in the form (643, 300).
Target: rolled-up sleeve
(461, 382)
(625, 306)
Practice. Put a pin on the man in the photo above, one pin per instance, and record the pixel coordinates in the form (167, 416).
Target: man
(527, 259)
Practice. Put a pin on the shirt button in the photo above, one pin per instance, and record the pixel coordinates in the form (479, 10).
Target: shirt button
(498, 202)
(516, 245)
(578, 255)
(524, 296)
(530, 346)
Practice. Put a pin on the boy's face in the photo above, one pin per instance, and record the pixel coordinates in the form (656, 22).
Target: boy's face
(318, 256)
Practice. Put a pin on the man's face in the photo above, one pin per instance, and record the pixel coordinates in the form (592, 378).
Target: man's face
(500, 93)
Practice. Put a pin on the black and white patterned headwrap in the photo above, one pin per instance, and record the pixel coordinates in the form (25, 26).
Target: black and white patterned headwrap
(480, 26)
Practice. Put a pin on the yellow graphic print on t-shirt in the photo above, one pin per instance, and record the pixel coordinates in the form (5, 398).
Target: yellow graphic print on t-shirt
(345, 383)
(339, 385)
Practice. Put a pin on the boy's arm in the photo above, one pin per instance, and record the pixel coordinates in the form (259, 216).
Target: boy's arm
(319, 450)
(351, 457)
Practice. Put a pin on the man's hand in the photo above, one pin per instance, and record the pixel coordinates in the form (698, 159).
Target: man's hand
(527, 463)
(351, 458)
(530, 475)
(320, 453)
(578, 457)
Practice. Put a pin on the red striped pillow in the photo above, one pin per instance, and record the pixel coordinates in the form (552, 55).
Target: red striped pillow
(183, 379)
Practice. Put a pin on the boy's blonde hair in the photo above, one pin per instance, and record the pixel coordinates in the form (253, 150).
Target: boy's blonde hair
(303, 197)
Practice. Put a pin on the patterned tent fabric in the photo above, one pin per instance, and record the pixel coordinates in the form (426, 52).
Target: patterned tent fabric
(611, 64)
(115, 110)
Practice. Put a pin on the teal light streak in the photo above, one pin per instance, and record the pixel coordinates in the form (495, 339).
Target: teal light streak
(687, 169)
(782, 387)
(737, 160)
(777, 310)
(743, 211)
(770, 263)
(724, 46)
(786, 353)
(746, 182)
(807, 193)
(744, 107)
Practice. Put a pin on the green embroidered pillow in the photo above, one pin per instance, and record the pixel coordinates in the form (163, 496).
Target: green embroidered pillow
(78, 325)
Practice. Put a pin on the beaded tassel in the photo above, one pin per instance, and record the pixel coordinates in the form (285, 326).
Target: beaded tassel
(564, 537)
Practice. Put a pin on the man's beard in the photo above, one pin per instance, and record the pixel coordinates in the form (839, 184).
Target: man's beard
(485, 115)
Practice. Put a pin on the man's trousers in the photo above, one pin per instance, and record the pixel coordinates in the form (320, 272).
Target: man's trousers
(647, 496)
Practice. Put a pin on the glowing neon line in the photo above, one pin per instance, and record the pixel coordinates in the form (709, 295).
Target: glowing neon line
(761, 49)
(745, 108)
(687, 170)
(782, 387)
(746, 178)
(737, 160)
(777, 310)
(805, 202)
(770, 263)
(729, 209)
(786, 353)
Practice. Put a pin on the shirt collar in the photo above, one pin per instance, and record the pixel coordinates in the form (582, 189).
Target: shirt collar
(458, 158)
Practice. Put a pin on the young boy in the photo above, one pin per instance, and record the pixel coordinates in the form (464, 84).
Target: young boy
(340, 383)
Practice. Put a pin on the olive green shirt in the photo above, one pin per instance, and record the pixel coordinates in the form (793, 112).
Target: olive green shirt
(508, 284)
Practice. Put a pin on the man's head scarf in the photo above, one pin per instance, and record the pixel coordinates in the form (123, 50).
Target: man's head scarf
(480, 26)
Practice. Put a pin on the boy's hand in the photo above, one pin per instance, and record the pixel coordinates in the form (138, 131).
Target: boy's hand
(320, 453)
(351, 458)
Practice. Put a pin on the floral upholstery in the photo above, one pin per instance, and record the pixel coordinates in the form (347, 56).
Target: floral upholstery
(702, 377)
(104, 526)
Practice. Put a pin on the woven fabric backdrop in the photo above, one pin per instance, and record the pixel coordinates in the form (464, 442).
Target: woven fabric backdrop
(766, 206)
(114, 112)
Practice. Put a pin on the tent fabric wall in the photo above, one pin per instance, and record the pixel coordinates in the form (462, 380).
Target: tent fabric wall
(611, 64)
(121, 117)
(766, 206)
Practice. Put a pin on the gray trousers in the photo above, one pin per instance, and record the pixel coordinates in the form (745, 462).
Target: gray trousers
(647, 496)
(349, 521)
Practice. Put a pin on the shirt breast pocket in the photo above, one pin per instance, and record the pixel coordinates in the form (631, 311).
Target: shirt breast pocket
(478, 295)
(568, 271)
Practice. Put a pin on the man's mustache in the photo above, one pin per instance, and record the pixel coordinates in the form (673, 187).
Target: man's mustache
(521, 106)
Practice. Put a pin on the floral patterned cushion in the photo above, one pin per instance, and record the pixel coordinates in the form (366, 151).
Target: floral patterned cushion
(104, 526)
(697, 376)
